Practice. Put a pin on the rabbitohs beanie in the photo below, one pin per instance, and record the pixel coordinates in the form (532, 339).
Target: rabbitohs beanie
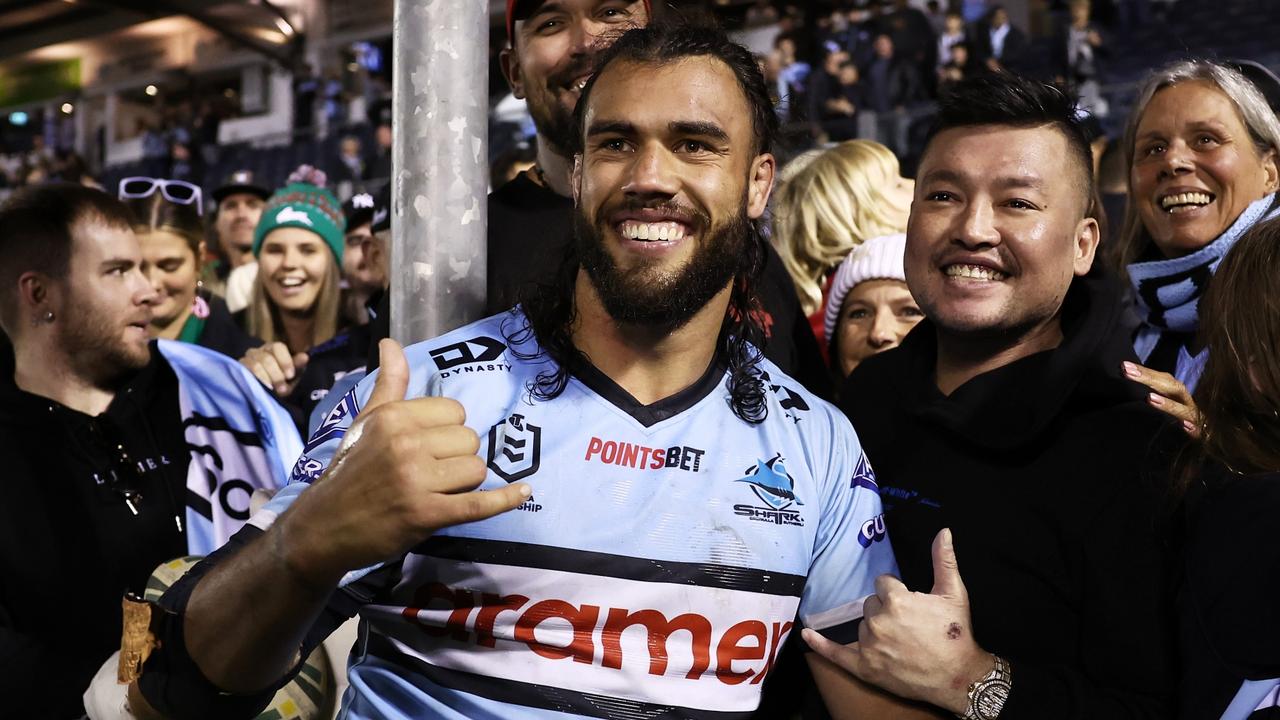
(306, 205)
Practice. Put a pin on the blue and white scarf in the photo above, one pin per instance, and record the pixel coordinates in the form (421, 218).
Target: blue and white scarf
(1168, 296)
(240, 439)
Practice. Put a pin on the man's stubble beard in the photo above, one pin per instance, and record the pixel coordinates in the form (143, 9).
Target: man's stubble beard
(668, 300)
(96, 352)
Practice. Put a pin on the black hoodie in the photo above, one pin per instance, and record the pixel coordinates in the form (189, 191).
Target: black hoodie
(69, 544)
(1043, 470)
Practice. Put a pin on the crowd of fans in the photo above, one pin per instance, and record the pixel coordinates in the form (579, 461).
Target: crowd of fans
(1054, 353)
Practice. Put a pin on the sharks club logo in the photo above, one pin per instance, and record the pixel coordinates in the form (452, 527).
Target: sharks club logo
(775, 489)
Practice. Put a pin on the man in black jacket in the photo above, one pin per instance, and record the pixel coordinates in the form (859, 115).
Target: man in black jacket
(1011, 453)
(100, 434)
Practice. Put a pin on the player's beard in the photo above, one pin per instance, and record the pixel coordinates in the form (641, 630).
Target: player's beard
(647, 295)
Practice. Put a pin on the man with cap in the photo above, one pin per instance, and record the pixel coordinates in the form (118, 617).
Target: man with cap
(239, 206)
(363, 278)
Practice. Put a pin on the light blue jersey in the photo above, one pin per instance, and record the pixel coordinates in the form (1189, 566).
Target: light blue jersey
(656, 571)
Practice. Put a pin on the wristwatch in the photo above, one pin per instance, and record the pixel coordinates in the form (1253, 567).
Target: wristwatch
(988, 694)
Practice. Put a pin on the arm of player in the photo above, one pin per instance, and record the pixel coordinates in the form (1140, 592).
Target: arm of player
(405, 469)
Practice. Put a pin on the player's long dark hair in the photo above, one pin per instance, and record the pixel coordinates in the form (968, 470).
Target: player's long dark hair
(550, 307)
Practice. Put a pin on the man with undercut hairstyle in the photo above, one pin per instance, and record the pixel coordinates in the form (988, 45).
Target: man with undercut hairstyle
(120, 452)
(1012, 454)
(656, 502)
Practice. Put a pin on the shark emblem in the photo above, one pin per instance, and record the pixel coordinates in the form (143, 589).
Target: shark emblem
(771, 483)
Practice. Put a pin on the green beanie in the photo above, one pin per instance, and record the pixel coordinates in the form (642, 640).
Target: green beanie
(306, 206)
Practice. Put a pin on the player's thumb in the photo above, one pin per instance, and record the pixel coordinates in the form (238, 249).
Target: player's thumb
(946, 572)
(393, 375)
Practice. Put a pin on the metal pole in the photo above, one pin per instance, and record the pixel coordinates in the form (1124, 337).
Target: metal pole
(439, 166)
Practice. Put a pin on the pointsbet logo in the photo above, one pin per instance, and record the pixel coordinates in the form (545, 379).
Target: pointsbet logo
(625, 454)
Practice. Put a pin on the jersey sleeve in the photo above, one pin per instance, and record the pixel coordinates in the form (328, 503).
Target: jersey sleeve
(851, 548)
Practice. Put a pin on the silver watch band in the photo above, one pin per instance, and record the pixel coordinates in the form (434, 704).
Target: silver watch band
(988, 694)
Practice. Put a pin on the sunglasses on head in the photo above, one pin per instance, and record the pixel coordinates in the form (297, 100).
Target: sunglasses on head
(179, 192)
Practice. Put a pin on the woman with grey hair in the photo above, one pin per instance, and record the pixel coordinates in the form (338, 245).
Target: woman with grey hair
(1201, 146)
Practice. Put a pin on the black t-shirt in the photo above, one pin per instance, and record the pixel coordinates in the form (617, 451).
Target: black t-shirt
(70, 546)
(1229, 602)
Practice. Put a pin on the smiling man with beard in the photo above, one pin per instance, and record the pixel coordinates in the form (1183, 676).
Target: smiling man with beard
(101, 431)
(553, 47)
(605, 504)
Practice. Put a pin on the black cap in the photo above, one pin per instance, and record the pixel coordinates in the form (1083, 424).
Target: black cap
(358, 210)
(240, 181)
(381, 113)
(382, 210)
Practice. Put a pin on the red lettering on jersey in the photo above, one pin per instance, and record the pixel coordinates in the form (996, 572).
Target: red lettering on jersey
(492, 606)
(629, 454)
(731, 649)
(462, 601)
(659, 457)
(593, 447)
(609, 452)
(583, 620)
(779, 631)
(659, 629)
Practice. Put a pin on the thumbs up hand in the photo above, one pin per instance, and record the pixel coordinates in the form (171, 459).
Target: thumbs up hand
(405, 469)
(918, 646)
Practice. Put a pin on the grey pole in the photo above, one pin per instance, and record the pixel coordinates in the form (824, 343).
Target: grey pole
(439, 166)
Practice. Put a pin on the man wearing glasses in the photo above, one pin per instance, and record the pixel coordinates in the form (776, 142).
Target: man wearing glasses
(120, 452)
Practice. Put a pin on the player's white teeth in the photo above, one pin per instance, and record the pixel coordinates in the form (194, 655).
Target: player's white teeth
(1180, 201)
(974, 272)
(666, 231)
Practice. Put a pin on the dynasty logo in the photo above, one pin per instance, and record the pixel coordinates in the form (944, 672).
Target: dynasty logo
(774, 487)
(479, 354)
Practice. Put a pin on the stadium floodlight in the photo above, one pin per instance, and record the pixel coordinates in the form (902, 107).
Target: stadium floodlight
(68, 108)
(151, 90)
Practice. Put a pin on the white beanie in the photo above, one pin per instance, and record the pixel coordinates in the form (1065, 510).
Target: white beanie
(875, 259)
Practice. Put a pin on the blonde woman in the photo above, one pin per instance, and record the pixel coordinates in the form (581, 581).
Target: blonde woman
(297, 297)
(848, 194)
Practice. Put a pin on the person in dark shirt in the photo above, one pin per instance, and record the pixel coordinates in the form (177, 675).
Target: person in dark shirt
(1228, 621)
(1016, 461)
(100, 436)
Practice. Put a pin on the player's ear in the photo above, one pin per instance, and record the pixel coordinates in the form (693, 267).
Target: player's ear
(760, 184)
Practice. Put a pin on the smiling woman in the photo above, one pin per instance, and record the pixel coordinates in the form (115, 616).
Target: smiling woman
(172, 238)
(1202, 154)
(298, 243)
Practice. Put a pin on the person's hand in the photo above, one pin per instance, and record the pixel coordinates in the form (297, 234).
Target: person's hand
(405, 469)
(1168, 395)
(1094, 38)
(918, 646)
(275, 367)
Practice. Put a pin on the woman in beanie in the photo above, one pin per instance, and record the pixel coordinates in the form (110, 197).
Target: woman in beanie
(298, 243)
(844, 196)
(869, 308)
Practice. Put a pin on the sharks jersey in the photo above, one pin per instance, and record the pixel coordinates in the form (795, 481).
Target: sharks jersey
(656, 571)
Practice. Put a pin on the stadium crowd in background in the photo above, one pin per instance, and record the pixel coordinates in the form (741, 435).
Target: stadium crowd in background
(980, 344)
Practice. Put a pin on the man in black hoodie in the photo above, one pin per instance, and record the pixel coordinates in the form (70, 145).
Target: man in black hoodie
(1003, 421)
(100, 433)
